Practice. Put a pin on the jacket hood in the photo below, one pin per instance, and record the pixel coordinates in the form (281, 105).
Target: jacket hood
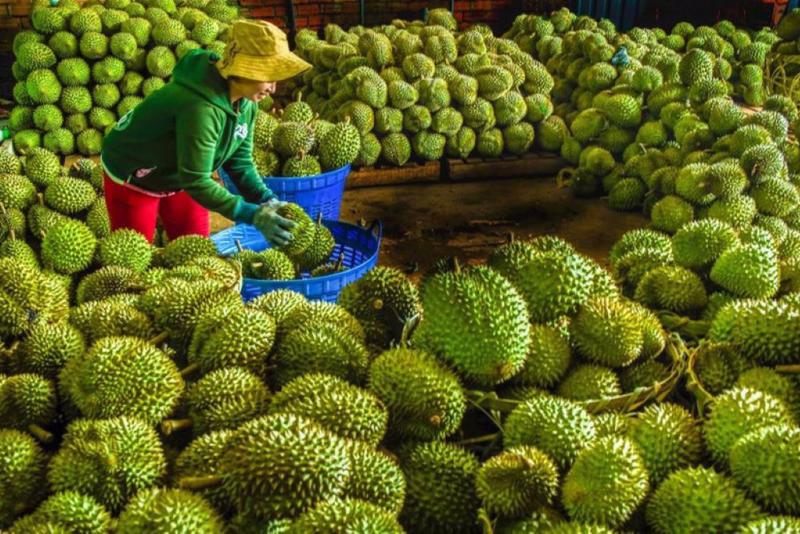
(197, 71)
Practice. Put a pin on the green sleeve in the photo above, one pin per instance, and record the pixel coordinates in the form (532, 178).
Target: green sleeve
(242, 169)
(197, 129)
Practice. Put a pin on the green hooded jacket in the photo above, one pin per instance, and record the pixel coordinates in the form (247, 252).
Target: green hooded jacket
(178, 136)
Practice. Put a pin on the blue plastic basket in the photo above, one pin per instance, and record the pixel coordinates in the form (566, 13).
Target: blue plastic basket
(358, 247)
(315, 194)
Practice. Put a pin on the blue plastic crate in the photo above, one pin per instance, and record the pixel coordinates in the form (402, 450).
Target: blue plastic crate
(316, 194)
(359, 248)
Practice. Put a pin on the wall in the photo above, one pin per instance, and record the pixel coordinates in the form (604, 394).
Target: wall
(315, 14)
(13, 17)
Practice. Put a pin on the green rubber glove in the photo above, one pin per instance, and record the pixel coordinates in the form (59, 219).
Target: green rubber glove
(276, 229)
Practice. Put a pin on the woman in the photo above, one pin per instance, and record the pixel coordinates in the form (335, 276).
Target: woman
(159, 158)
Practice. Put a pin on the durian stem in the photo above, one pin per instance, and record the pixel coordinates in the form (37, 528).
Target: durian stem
(488, 402)
(456, 266)
(488, 438)
(788, 369)
(693, 384)
(683, 325)
(40, 433)
(160, 338)
(11, 234)
(198, 483)
(409, 326)
(239, 246)
(189, 370)
(564, 177)
(8, 352)
(173, 425)
(485, 521)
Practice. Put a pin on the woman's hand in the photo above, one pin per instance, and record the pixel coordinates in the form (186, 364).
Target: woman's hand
(276, 229)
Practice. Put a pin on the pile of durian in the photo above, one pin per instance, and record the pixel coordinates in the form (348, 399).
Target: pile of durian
(142, 395)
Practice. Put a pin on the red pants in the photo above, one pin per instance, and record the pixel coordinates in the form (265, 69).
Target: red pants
(134, 209)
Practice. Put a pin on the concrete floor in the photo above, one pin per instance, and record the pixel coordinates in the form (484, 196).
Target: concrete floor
(425, 222)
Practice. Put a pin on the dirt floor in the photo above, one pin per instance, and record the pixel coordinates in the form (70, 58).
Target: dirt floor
(425, 222)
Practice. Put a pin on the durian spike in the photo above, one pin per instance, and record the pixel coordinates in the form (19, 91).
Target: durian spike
(40, 433)
(198, 483)
(173, 425)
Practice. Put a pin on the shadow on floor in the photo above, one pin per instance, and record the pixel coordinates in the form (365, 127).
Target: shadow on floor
(425, 222)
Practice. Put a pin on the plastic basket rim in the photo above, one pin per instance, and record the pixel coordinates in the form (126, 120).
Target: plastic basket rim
(371, 229)
(326, 174)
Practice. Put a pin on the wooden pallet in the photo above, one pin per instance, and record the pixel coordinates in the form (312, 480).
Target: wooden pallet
(407, 174)
(530, 165)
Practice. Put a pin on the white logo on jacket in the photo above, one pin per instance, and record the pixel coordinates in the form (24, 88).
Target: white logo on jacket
(241, 131)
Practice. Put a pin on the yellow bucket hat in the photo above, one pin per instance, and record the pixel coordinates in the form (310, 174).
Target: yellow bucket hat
(259, 50)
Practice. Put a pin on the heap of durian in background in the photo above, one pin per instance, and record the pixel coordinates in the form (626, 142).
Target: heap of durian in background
(84, 65)
(139, 393)
(424, 90)
(296, 142)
